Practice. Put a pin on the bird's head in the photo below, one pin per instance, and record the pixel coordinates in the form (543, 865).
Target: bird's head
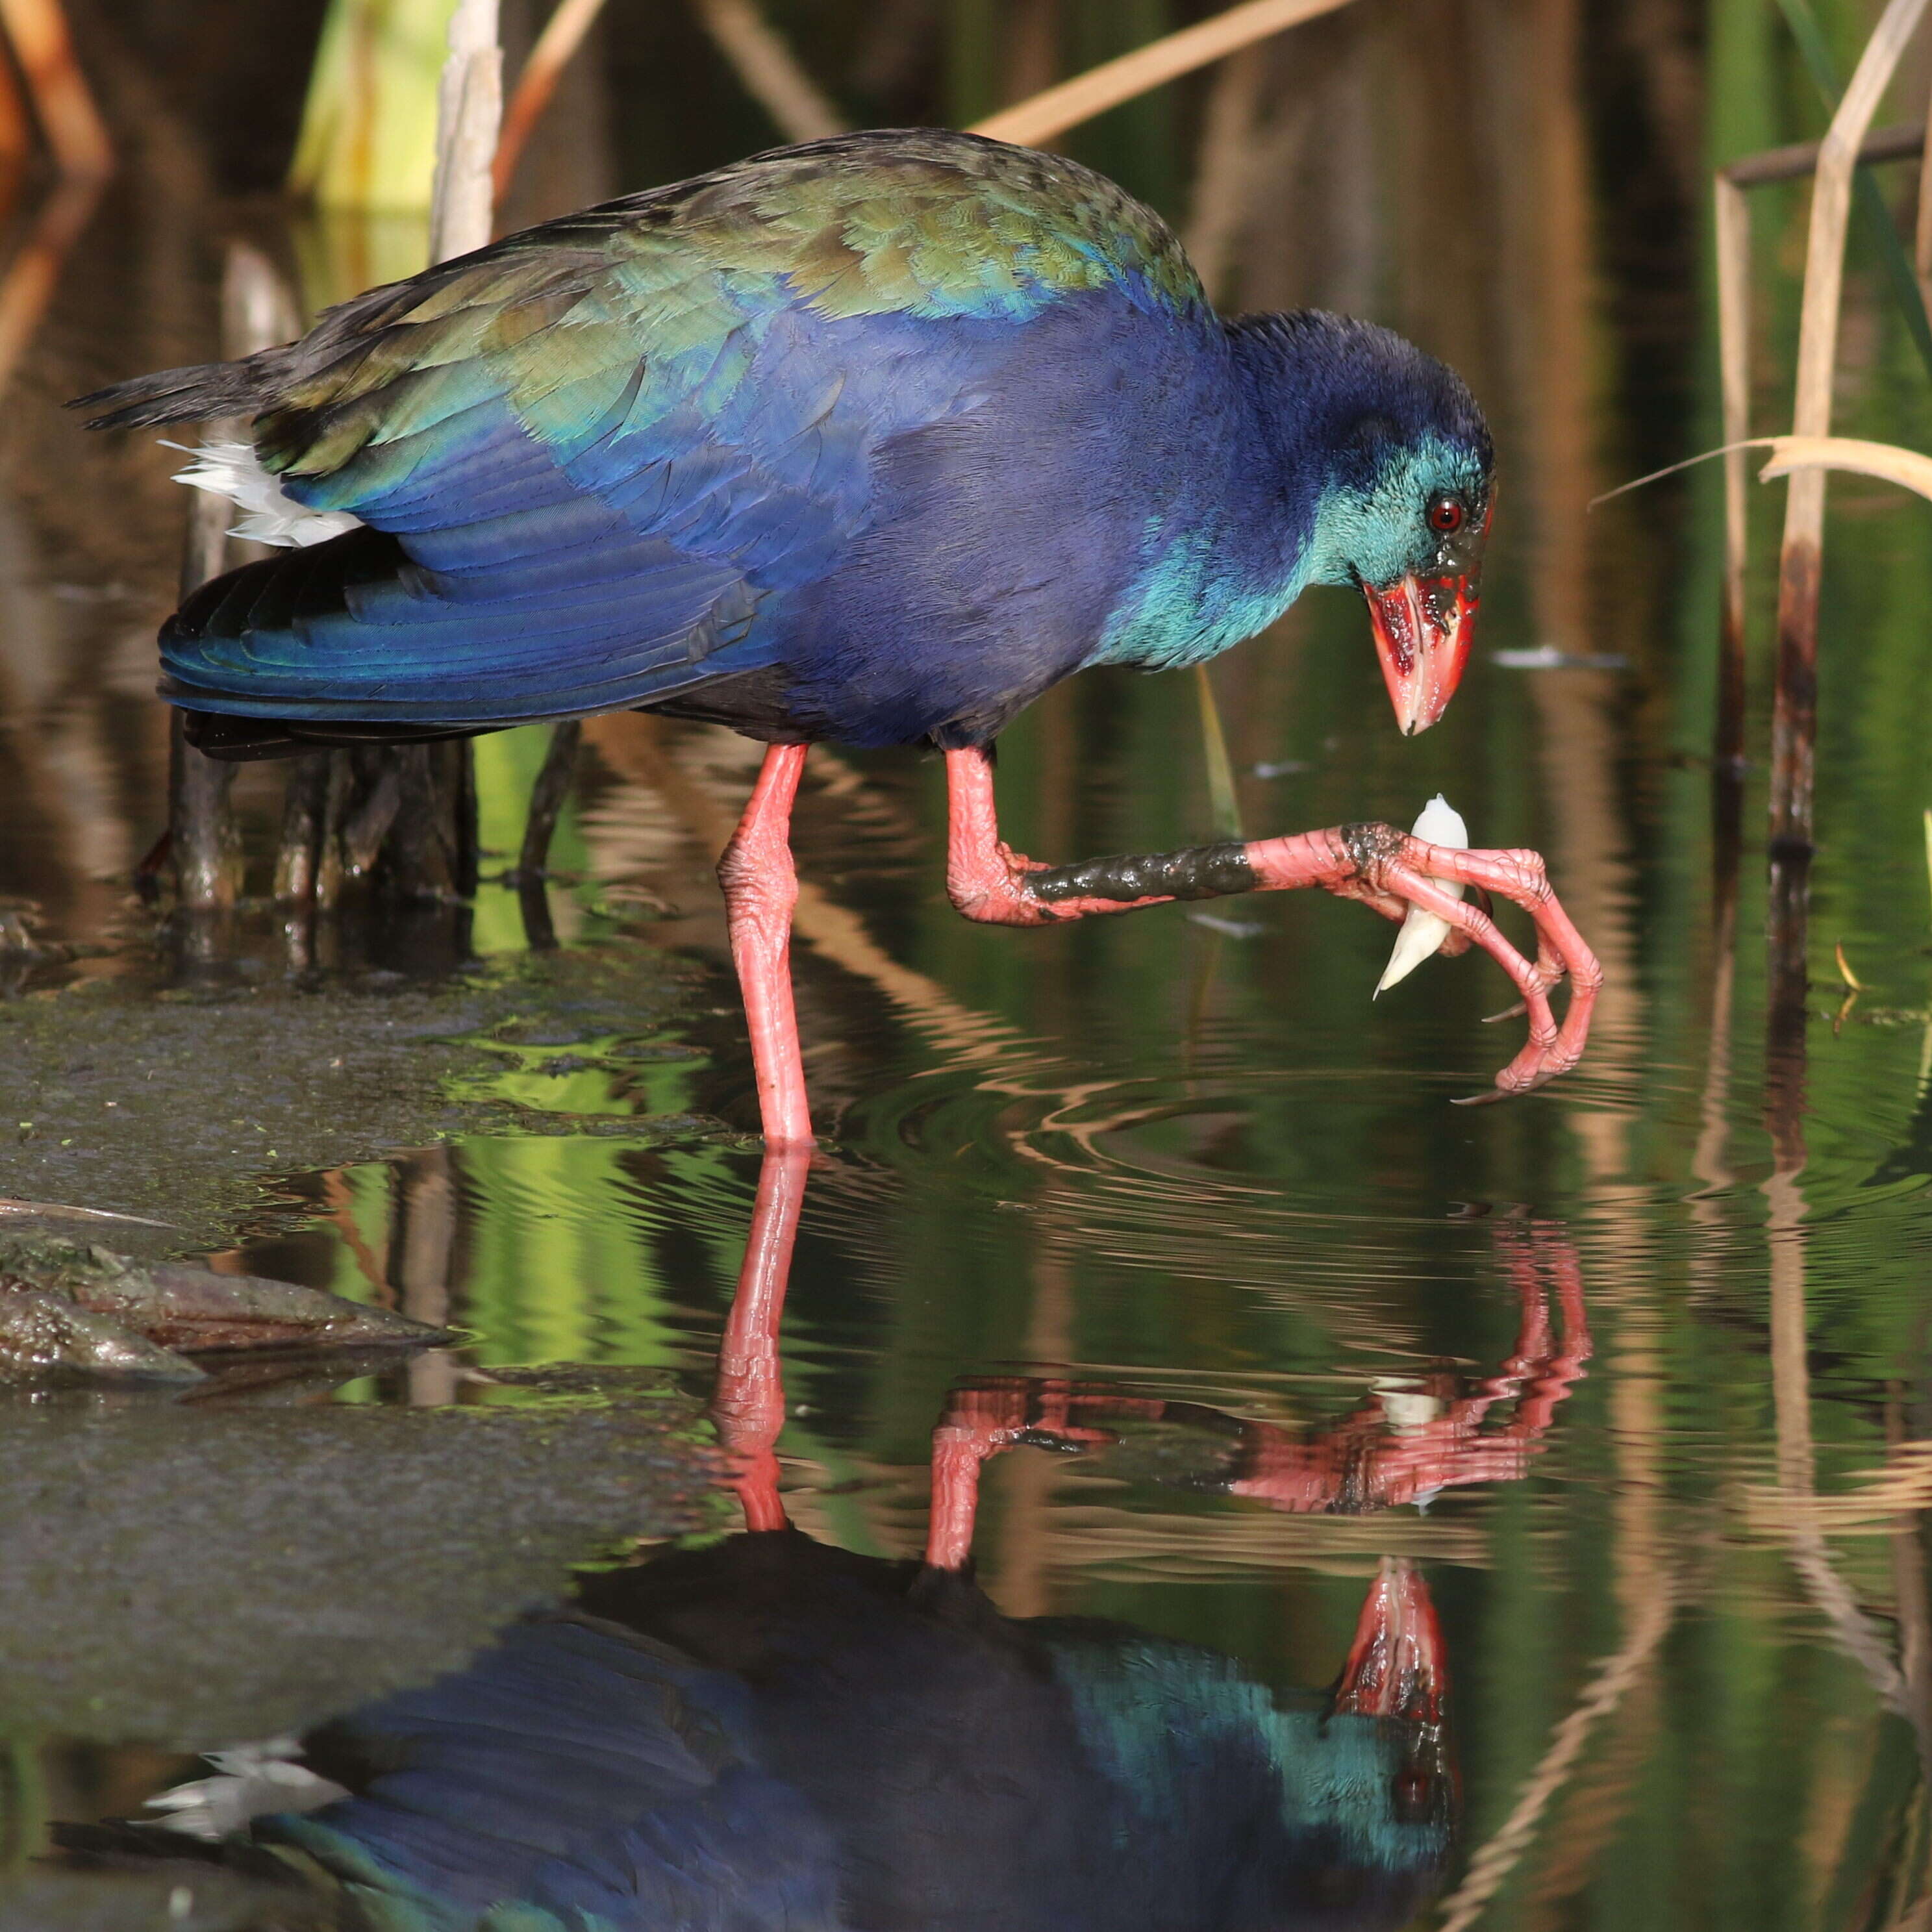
(1394, 450)
(1412, 532)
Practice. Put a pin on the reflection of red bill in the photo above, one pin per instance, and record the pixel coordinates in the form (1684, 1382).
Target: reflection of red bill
(1422, 627)
(1395, 1668)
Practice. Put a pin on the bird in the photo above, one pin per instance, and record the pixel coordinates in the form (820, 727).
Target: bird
(869, 441)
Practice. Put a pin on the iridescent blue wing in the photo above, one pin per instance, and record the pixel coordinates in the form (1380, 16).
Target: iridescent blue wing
(604, 452)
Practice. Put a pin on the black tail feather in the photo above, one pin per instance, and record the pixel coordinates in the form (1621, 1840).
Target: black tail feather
(186, 395)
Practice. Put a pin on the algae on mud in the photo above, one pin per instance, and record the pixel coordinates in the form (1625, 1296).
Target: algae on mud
(180, 1103)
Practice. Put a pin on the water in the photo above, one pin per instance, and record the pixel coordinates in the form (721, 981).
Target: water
(1632, 1374)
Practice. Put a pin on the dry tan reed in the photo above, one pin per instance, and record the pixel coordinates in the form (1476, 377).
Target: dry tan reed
(1794, 725)
(562, 35)
(469, 113)
(768, 70)
(1114, 82)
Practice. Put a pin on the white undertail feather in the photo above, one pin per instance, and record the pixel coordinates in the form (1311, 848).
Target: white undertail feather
(233, 470)
(1422, 932)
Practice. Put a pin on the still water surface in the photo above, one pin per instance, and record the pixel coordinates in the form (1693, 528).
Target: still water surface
(1629, 1380)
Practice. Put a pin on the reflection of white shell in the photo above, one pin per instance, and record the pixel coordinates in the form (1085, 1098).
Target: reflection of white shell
(1422, 932)
(1405, 1407)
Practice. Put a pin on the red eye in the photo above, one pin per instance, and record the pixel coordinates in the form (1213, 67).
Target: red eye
(1445, 515)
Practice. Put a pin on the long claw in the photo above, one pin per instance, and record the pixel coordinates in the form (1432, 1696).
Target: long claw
(1410, 870)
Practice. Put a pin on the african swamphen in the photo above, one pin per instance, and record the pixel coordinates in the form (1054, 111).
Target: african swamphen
(872, 440)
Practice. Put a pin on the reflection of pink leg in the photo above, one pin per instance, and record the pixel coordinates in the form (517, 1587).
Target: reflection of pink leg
(982, 1418)
(957, 1454)
(1396, 1666)
(760, 889)
(748, 1407)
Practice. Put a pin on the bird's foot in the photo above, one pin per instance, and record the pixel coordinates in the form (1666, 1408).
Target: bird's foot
(1391, 871)
(996, 886)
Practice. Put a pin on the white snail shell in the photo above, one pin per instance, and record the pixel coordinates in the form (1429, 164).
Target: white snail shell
(1422, 932)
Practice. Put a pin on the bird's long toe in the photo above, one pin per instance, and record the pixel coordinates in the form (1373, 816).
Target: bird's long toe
(1553, 1047)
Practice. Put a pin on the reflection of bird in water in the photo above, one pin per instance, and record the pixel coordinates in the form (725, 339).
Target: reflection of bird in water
(771, 1733)
(872, 441)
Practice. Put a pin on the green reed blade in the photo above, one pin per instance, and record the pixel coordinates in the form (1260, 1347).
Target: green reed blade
(1222, 805)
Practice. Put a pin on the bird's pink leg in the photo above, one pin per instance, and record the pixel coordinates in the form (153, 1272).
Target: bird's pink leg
(747, 1407)
(1385, 869)
(760, 889)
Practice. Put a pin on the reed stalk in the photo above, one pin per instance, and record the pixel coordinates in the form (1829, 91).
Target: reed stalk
(1732, 237)
(1872, 210)
(368, 136)
(1053, 112)
(563, 33)
(469, 114)
(1733, 251)
(16, 135)
(38, 32)
(1223, 805)
(765, 65)
(28, 285)
(769, 71)
(1794, 725)
(772, 74)
(1922, 251)
(1224, 169)
(1900, 142)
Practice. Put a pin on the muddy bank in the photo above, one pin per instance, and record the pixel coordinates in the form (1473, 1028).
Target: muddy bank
(183, 1105)
(189, 1575)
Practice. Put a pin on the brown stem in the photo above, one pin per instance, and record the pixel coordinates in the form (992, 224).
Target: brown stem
(562, 35)
(75, 131)
(547, 797)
